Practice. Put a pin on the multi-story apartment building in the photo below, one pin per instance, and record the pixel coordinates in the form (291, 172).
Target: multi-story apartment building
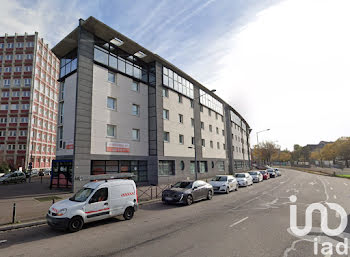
(29, 101)
(124, 109)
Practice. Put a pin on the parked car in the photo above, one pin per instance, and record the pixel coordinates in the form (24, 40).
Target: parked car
(13, 177)
(256, 175)
(272, 173)
(187, 192)
(278, 173)
(224, 183)
(265, 174)
(95, 201)
(244, 179)
(47, 172)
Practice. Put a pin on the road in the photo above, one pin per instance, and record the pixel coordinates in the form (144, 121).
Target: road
(251, 222)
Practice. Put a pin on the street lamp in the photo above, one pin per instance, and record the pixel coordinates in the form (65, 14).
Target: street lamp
(194, 137)
(257, 135)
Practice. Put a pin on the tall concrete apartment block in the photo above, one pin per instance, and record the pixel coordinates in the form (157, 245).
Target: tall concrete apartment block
(124, 109)
(29, 101)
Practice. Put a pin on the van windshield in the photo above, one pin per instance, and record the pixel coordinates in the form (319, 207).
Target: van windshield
(81, 195)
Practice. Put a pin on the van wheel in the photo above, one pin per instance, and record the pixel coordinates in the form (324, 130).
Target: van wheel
(75, 224)
(129, 213)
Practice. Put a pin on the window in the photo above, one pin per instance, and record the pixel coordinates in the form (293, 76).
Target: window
(13, 119)
(181, 118)
(15, 94)
(8, 57)
(19, 45)
(211, 144)
(14, 106)
(7, 82)
(166, 168)
(166, 137)
(2, 133)
(101, 195)
(25, 106)
(203, 142)
(136, 134)
(216, 116)
(12, 133)
(111, 77)
(217, 130)
(28, 68)
(203, 167)
(11, 147)
(202, 125)
(17, 82)
(135, 86)
(8, 69)
(209, 112)
(223, 132)
(30, 44)
(29, 57)
(3, 120)
(182, 165)
(4, 107)
(181, 139)
(23, 133)
(111, 103)
(201, 108)
(5, 94)
(192, 140)
(9, 45)
(18, 69)
(192, 104)
(165, 92)
(180, 98)
(224, 146)
(25, 93)
(192, 122)
(135, 110)
(218, 145)
(111, 130)
(27, 82)
(24, 119)
(165, 114)
(210, 128)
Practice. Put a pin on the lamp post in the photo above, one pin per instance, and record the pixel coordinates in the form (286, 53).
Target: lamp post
(194, 137)
(257, 135)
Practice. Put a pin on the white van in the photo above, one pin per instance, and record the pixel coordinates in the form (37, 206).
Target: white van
(95, 201)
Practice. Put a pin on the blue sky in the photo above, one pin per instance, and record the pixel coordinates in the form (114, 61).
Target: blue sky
(280, 63)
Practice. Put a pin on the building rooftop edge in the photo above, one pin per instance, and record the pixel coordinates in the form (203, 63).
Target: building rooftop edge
(107, 33)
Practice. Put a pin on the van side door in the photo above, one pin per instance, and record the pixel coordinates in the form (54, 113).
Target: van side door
(97, 207)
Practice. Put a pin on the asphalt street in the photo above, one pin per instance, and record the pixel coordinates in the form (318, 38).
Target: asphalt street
(251, 222)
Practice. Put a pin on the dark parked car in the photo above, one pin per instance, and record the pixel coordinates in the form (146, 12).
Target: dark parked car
(13, 177)
(187, 192)
(272, 173)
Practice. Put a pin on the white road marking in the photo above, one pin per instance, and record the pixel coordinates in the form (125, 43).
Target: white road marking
(345, 184)
(3, 241)
(237, 222)
(325, 190)
(335, 197)
(331, 188)
(312, 183)
(292, 248)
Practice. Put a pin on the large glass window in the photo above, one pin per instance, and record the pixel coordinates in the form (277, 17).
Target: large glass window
(203, 167)
(176, 82)
(166, 168)
(111, 130)
(210, 102)
(111, 103)
(114, 57)
(221, 165)
(136, 134)
(135, 110)
(68, 63)
(138, 168)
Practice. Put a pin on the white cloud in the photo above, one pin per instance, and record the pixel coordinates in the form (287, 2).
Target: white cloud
(52, 19)
(288, 70)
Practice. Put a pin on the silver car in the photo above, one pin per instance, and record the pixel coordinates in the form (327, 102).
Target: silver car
(256, 175)
(244, 179)
(224, 184)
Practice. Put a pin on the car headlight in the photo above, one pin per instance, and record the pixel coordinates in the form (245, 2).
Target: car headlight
(61, 212)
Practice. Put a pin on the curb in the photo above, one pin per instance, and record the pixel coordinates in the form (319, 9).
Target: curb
(23, 225)
(43, 221)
